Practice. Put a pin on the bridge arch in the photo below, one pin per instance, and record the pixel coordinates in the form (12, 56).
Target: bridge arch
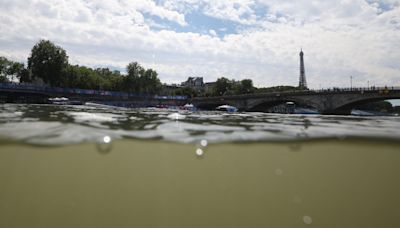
(325, 101)
(265, 104)
(345, 108)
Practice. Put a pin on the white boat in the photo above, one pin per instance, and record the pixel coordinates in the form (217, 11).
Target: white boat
(189, 107)
(227, 108)
(59, 100)
(98, 105)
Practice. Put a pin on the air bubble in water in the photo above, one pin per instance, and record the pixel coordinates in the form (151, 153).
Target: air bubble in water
(307, 220)
(302, 135)
(295, 147)
(297, 199)
(307, 123)
(199, 152)
(107, 139)
(104, 146)
(203, 143)
(278, 172)
(341, 137)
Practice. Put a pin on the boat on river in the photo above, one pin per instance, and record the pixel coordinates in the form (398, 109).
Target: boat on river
(63, 101)
(189, 107)
(227, 108)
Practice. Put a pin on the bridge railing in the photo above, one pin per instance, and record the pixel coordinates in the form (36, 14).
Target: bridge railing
(340, 90)
(76, 91)
(358, 89)
(383, 89)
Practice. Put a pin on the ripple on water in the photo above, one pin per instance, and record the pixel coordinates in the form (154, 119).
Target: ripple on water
(176, 116)
(74, 124)
(53, 133)
(94, 117)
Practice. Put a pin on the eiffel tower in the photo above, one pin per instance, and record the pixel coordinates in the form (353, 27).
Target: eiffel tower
(302, 80)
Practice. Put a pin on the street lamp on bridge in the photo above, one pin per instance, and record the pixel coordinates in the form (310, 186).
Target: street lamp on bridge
(351, 82)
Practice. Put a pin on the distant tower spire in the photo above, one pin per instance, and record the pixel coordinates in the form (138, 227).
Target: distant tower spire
(302, 80)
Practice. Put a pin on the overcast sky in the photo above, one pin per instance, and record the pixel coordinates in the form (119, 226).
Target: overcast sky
(257, 39)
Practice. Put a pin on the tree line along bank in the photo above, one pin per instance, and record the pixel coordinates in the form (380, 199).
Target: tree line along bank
(48, 65)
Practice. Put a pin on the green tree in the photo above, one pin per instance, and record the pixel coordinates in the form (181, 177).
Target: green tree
(246, 86)
(140, 80)
(132, 83)
(24, 75)
(4, 64)
(222, 86)
(12, 69)
(149, 82)
(15, 70)
(185, 91)
(48, 62)
(116, 81)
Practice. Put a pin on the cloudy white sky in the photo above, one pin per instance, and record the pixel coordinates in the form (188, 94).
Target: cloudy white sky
(257, 39)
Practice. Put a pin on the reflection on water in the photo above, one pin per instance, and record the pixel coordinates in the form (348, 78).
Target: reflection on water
(49, 124)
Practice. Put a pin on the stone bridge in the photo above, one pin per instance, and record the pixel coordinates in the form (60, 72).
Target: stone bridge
(336, 102)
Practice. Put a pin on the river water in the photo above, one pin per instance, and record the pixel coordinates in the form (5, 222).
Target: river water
(91, 166)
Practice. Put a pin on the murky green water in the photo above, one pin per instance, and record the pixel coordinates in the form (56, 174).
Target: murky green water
(99, 167)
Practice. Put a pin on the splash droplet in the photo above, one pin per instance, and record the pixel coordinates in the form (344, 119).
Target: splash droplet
(307, 220)
(104, 146)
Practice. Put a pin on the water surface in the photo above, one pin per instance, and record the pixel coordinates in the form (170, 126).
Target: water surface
(51, 124)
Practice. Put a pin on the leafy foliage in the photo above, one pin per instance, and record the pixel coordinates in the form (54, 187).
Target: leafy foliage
(277, 89)
(4, 63)
(48, 62)
(186, 91)
(141, 80)
(224, 86)
(10, 69)
(244, 87)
